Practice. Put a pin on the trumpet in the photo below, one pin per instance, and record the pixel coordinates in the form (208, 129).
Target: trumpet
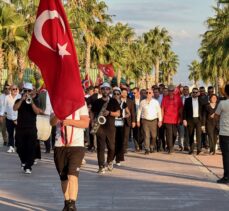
(28, 99)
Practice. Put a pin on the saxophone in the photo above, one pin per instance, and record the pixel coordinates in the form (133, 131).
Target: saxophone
(100, 120)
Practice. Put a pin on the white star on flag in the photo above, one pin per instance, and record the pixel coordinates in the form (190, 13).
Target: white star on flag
(62, 50)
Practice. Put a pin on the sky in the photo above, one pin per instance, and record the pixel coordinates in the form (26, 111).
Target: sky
(184, 19)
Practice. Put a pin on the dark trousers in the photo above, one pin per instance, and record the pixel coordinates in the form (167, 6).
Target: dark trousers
(161, 138)
(138, 137)
(10, 126)
(105, 137)
(193, 125)
(224, 145)
(119, 144)
(26, 145)
(171, 135)
(126, 136)
(212, 132)
(37, 150)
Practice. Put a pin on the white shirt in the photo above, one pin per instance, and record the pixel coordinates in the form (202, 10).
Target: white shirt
(74, 135)
(223, 111)
(195, 107)
(9, 103)
(48, 108)
(2, 104)
(149, 110)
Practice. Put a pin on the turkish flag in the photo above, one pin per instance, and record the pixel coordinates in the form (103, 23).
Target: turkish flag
(107, 69)
(52, 49)
(87, 81)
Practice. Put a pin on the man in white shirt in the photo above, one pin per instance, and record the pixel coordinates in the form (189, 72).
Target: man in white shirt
(11, 116)
(149, 113)
(69, 152)
(6, 91)
(223, 112)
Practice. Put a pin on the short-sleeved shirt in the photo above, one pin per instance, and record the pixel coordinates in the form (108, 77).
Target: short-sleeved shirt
(26, 116)
(112, 106)
(223, 111)
(75, 136)
(171, 109)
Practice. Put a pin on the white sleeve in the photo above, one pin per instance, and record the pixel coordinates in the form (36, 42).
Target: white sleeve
(159, 112)
(139, 112)
(83, 111)
(219, 108)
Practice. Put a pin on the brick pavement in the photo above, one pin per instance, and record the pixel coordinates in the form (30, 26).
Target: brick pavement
(155, 182)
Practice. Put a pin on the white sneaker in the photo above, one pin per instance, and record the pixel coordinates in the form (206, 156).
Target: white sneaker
(35, 162)
(10, 150)
(83, 162)
(22, 166)
(118, 163)
(28, 171)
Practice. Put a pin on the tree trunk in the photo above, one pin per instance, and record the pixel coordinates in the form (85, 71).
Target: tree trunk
(21, 67)
(119, 75)
(157, 69)
(1, 67)
(88, 58)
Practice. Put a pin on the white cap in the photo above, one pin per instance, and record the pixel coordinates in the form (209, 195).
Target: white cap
(105, 84)
(116, 89)
(28, 85)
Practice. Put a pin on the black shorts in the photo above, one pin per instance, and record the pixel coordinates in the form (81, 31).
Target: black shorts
(68, 161)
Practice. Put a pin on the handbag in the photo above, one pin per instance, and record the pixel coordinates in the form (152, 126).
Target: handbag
(119, 122)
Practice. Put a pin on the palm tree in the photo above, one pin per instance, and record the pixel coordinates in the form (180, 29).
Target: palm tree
(194, 70)
(214, 50)
(13, 38)
(169, 67)
(158, 41)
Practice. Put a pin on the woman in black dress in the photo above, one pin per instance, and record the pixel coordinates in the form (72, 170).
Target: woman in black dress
(119, 124)
(212, 124)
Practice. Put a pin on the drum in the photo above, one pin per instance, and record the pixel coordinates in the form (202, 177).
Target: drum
(43, 127)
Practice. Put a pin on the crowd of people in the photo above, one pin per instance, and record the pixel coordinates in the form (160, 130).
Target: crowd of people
(154, 119)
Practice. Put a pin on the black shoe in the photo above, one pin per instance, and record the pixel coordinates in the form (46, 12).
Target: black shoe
(186, 149)
(72, 206)
(224, 180)
(66, 203)
(190, 152)
(147, 152)
(199, 152)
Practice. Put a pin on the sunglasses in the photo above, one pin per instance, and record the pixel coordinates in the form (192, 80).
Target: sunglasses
(149, 93)
(7, 88)
(14, 89)
(27, 90)
(194, 92)
(116, 93)
(106, 88)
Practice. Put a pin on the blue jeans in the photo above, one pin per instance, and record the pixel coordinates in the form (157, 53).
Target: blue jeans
(10, 126)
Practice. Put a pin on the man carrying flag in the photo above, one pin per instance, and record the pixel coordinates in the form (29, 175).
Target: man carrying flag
(52, 50)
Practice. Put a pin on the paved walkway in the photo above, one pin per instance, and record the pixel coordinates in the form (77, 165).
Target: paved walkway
(155, 182)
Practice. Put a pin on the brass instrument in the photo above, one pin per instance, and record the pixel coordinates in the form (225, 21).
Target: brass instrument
(28, 99)
(100, 120)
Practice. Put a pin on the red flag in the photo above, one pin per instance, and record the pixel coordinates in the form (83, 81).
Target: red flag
(87, 81)
(52, 49)
(107, 69)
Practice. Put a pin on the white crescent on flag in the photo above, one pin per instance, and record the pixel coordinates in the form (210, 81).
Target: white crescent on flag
(43, 17)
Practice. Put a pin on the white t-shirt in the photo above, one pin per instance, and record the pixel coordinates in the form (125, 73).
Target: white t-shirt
(223, 111)
(75, 136)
